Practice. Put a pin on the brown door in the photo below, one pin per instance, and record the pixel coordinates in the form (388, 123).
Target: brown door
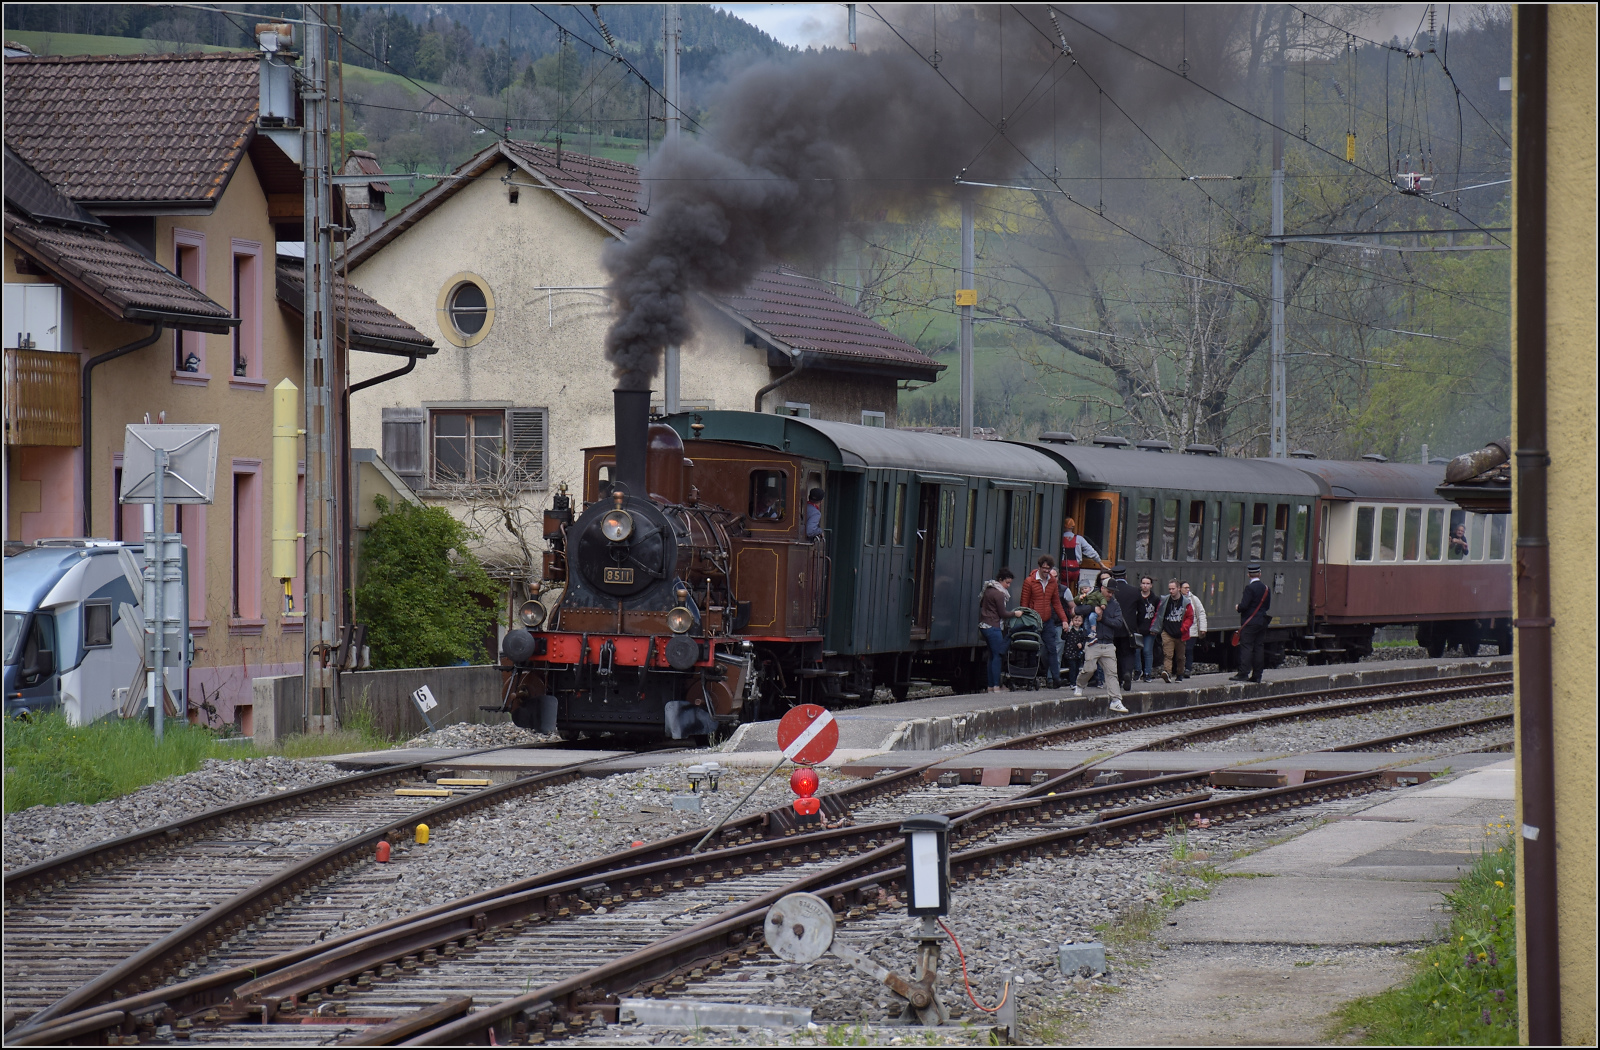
(922, 560)
(1097, 522)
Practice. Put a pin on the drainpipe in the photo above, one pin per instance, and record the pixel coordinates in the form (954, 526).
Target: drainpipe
(799, 364)
(349, 510)
(1535, 728)
(88, 447)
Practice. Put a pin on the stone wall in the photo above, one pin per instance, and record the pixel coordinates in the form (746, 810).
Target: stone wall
(462, 692)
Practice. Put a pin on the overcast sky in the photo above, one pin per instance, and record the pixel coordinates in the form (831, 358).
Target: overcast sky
(818, 25)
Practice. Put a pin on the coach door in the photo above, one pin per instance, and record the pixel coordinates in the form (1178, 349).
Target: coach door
(925, 550)
(1096, 515)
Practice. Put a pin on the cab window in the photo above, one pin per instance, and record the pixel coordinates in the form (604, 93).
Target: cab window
(769, 495)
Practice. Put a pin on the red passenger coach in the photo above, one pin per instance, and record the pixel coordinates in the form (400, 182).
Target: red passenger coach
(1391, 552)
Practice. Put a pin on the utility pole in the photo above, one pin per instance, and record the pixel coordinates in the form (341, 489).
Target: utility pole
(321, 681)
(673, 363)
(1280, 408)
(852, 8)
(966, 299)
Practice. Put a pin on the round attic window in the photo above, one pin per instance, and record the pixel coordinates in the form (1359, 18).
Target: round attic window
(465, 309)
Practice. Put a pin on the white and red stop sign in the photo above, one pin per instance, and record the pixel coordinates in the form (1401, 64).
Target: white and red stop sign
(808, 734)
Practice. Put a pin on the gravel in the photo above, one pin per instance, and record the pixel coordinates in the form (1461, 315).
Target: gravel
(467, 734)
(1321, 734)
(35, 834)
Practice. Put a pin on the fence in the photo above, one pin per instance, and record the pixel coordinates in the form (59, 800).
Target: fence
(461, 692)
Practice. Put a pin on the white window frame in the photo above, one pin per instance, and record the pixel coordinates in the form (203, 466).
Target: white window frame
(870, 418)
(795, 409)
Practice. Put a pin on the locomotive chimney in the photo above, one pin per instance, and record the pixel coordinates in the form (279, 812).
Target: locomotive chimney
(632, 408)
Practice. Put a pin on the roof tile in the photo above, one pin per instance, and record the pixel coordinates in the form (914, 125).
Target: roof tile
(373, 327)
(133, 127)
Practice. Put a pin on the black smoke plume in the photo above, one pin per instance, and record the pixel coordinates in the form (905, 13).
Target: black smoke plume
(800, 146)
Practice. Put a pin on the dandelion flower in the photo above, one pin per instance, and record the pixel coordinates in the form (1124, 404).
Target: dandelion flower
(1497, 882)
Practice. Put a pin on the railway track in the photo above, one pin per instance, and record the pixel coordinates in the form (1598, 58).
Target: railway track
(314, 983)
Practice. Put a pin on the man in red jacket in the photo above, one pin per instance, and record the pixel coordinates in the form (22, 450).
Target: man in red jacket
(1041, 593)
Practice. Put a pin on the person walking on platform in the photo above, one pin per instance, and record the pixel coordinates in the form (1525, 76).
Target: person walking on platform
(992, 617)
(1041, 594)
(1100, 652)
(1074, 549)
(1127, 596)
(1199, 628)
(1073, 643)
(1146, 631)
(1253, 621)
(1174, 620)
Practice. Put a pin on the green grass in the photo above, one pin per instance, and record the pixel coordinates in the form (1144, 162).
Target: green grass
(48, 762)
(1465, 990)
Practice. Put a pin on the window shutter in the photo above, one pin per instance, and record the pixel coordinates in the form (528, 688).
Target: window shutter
(403, 444)
(528, 452)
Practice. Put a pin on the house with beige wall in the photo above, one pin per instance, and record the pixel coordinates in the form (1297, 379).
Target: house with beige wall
(143, 212)
(500, 265)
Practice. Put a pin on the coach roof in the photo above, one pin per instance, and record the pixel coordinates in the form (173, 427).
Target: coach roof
(1133, 468)
(1367, 479)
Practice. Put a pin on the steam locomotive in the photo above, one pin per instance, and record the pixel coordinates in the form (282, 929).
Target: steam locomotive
(681, 596)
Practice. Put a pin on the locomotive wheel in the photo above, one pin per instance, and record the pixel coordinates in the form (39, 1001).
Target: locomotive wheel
(899, 690)
(1436, 645)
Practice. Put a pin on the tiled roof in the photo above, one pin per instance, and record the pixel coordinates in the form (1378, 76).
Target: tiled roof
(31, 194)
(608, 188)
(797, 310)
(805, 314)
(372, 327)
(133, 127)
(367, 164)
(119, 279)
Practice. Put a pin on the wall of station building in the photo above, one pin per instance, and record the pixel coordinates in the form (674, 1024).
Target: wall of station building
(1571, 383)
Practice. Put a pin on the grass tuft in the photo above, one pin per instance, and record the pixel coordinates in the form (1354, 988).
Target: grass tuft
(1464, 992)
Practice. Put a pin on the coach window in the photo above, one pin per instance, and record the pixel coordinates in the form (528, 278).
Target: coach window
(1434, 546)
(1475, 536)
(900, 514)
(870, 524)
(1235, 524)
(972, 518)
(1141, 538)
(1497, 537)
(1364, 529)
(1169, 530)
(1411, 545)
(1301, 538)
(1019, 521)
(883, 515)
(1388, 533)
(1457, 543)
(769, 495)
(1213, 553)
(1258, 531)
(1197, 526)
(1322, 533)
(1280, 533)
(1038, 521)
(947, 517)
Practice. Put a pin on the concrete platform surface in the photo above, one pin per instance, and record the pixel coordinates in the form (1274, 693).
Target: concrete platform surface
(1374, 877)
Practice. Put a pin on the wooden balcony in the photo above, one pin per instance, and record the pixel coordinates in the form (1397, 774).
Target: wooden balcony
(44, 403)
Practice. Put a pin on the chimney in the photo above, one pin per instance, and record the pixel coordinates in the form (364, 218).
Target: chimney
(632, 409)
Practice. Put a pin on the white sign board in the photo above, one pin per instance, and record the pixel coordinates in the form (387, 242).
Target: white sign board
(424, 699)
(191, 462)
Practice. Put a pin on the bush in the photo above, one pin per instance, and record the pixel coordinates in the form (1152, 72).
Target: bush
(1465, 990)
(425, 598)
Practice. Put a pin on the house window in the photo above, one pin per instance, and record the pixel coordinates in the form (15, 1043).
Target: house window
(529, 451)
(769, 495)
(188, 265)
(800, 409)
(246, 544)
(467, 446)
(469, 308)
(465, 309)
(874, 419)
(246, 307)
(189, 521)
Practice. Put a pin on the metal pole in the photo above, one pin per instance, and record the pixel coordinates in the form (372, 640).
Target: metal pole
(321, 569)
(155, 558)
(968, 264)
(852, 8)
(1280, 408)
(672, 363)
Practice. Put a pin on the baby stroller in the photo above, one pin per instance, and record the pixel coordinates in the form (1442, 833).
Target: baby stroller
(1024, 635)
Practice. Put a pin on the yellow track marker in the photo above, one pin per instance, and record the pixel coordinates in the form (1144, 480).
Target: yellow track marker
(463, 782)
(425, 792)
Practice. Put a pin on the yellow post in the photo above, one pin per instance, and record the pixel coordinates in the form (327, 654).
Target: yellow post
(285, 477)
(422, 834)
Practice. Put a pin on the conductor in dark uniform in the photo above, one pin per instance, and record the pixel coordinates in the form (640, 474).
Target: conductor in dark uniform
(1253, 620)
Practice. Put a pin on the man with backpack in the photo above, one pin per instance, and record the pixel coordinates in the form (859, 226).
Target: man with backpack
(1100, 652)
(1253, 621)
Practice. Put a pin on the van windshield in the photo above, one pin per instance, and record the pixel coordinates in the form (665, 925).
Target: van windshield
(14, 622)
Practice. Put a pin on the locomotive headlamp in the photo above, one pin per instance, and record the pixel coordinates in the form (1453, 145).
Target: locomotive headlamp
(680, 620)
(617, 526)
(531, 613)
(927, 864)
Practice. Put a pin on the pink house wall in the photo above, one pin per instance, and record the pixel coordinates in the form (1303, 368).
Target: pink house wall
(55, 473)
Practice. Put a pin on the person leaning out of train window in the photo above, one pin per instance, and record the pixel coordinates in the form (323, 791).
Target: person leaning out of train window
(1146, 630)
(1199, 627)
(1174, 621)
(814, 515)
(1074, 549)
(1042, 594)
(1458, 543)
(1253, 621)
(992, 617)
